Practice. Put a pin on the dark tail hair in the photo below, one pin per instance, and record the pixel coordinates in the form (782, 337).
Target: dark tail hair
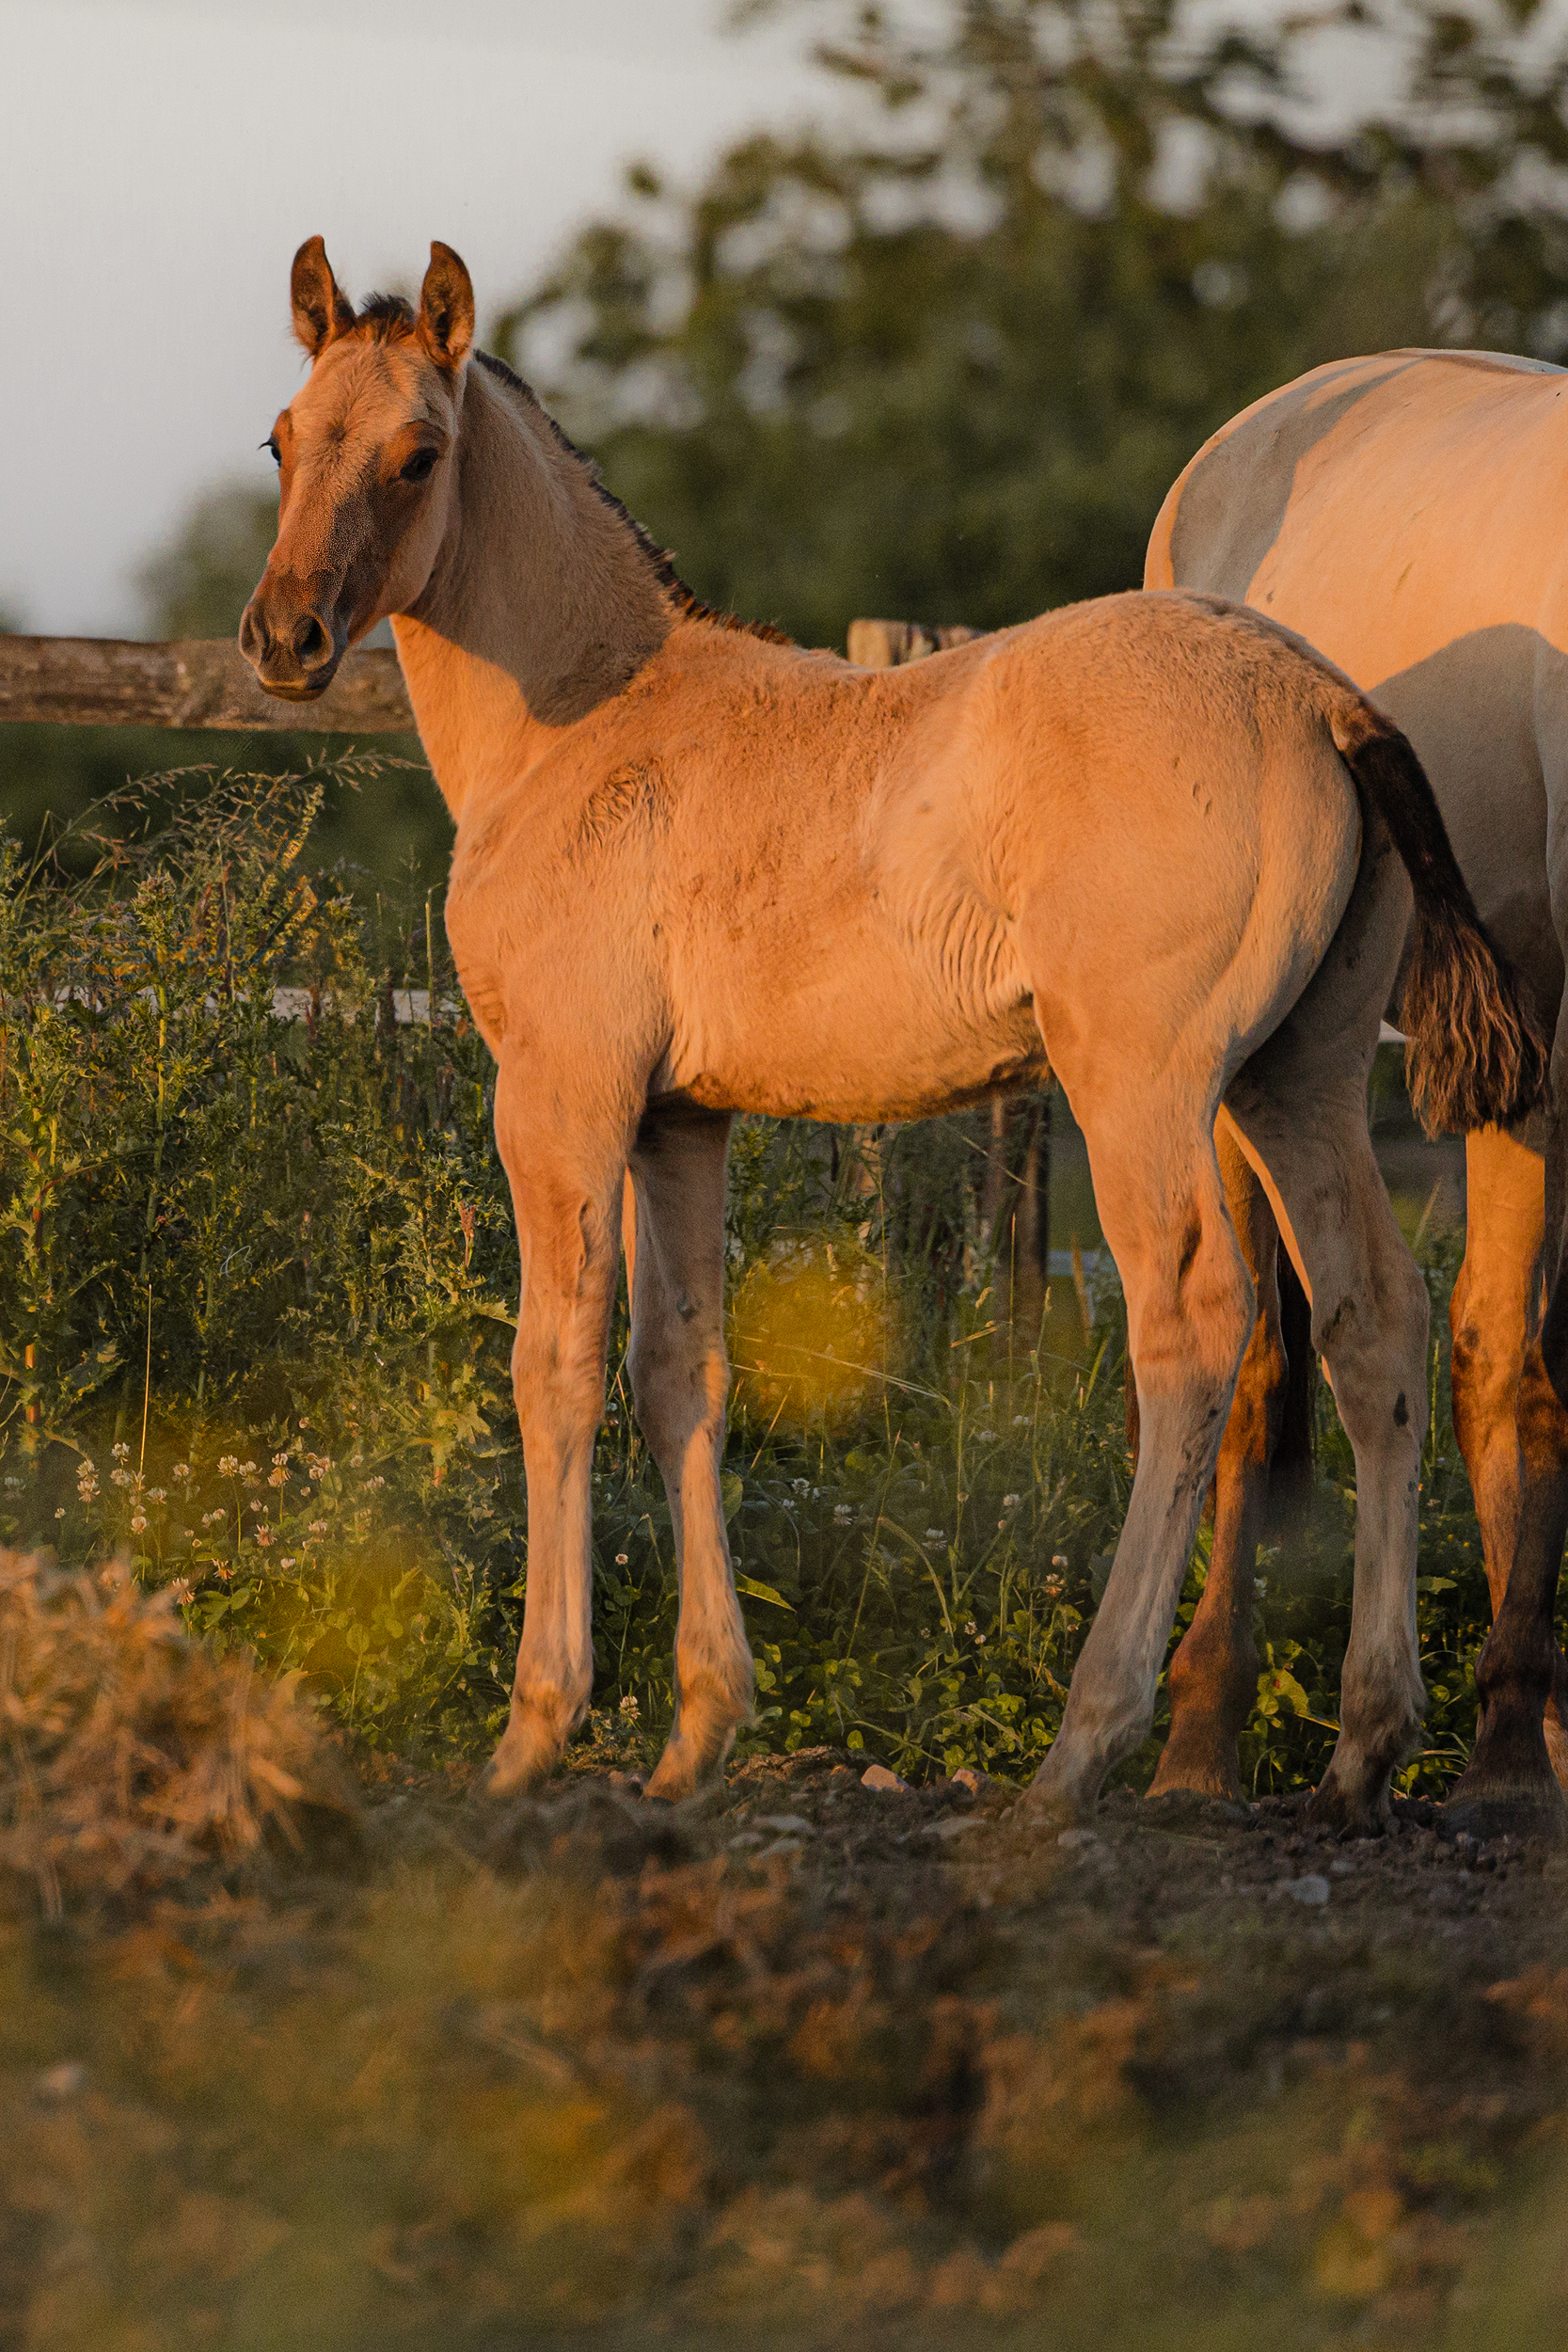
(1478, 1058)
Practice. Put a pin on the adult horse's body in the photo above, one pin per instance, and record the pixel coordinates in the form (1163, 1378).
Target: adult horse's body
(699, 871)
(1405, 513)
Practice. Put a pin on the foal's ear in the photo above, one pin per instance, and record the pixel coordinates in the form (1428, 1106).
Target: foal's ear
(321, 311)
(447, 307)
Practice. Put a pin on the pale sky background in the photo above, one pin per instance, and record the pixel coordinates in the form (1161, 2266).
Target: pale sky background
(160, 159)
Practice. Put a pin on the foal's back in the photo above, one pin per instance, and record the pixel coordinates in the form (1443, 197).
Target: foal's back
(830, 891)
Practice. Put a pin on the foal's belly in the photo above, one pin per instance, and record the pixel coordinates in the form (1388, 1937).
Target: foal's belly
(875, 1062)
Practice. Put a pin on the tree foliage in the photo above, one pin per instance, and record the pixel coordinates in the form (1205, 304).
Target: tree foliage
(948, 363)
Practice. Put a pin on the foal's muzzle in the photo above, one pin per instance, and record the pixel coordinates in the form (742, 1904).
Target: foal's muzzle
(294, 648)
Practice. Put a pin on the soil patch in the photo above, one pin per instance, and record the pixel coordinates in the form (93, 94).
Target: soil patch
(800, 2063)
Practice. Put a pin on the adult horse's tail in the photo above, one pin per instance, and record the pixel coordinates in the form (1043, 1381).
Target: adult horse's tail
(1477, 1056)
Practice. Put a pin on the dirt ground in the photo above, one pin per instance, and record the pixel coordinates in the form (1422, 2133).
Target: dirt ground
(801, 2064)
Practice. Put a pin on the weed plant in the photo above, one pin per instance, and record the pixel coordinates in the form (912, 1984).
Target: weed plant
(258, 1276)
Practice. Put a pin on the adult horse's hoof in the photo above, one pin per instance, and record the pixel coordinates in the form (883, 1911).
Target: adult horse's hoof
(1198, 1768)
(1484, 1808)
(1193, 1808)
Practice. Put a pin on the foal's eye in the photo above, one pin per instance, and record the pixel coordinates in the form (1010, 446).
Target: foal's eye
(420, 467)
(271, 443)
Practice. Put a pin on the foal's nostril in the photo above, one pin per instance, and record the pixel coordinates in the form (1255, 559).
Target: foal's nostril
(253, 635)
(312, 643)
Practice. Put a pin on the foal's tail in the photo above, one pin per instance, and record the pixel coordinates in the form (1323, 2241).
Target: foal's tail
(1478, 1057)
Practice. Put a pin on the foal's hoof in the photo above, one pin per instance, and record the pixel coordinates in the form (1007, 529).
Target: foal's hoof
(690, 1764)
(523, 1761)
(1063, 1799)
(1483, 1809)
(1354, 1812)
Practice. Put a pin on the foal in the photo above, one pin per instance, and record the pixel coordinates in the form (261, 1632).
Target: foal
(699, 871)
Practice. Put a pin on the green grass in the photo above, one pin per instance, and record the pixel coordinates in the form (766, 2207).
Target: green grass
(257, 1278)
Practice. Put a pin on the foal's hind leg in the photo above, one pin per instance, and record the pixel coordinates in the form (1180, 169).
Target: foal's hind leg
(679, 1379)
(1213, 1674)
(1306, 1121)
(1188, 1309)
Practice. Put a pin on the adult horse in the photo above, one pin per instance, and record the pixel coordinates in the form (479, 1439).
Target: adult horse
(1403, 513)
(699, 871)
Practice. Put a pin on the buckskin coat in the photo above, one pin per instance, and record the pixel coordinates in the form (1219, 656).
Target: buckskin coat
(699, 871)
(1405, 513)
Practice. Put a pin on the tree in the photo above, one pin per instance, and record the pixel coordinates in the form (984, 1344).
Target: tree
(200, 585)
(949, 367)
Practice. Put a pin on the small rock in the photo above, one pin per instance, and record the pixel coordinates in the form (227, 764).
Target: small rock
(878, 1777)
(59, 2083)
(967, 1777)
(779, 1846)
(787, 1824)
(1077, 1837)
(1312, 1888)
(955, 1825)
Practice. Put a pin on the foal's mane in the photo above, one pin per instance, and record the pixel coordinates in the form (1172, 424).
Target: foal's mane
(389, 318)
(686, 600)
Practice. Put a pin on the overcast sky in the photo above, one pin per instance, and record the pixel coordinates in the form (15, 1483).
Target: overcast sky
(161, 160)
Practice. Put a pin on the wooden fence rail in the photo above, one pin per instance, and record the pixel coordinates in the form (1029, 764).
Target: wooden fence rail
(207, 682)
(203, 682)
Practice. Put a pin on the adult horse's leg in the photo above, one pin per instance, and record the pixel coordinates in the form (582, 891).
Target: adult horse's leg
(567, 1197)
(680, 1379)
(1514, 1433)
(1189, 1310)
(1213, 1674)
(1303, 1118)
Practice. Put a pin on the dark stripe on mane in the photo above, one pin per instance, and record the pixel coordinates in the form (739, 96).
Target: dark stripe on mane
(385, 318)
(686, 600)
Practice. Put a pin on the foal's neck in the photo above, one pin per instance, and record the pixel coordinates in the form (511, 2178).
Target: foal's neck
(544, 601)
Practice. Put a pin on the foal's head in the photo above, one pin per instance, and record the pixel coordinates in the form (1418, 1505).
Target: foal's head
(365, 456)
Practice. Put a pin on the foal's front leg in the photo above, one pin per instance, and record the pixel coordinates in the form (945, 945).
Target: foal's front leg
(567, 1195)
(679, 1381)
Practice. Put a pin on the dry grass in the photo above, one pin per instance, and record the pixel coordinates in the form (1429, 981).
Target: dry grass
(131, 1758)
